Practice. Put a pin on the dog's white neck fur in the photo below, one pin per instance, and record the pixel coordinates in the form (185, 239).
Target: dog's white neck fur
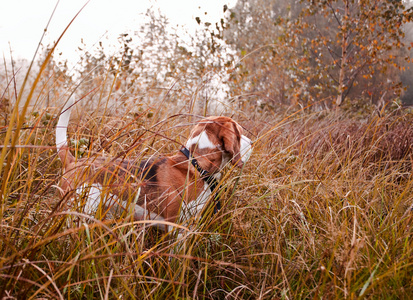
(202, 141)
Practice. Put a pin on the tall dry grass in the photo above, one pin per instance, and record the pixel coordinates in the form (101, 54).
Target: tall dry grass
(322, 209)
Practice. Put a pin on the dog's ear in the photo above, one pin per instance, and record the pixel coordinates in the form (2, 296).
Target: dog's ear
(230, 136)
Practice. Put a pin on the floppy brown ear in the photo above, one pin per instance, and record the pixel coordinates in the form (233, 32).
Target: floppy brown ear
(231, 137)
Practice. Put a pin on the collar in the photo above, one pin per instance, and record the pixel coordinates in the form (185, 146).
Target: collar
(212, 182)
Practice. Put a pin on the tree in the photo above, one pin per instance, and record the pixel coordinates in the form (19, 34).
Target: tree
(306, 51)
(269, 65)
(153, 65)
(359, 43)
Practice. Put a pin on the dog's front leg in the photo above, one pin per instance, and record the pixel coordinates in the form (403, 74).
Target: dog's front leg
(141, 213)
(189, 216)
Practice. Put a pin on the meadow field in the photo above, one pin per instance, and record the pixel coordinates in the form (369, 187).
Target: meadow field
(321, 210)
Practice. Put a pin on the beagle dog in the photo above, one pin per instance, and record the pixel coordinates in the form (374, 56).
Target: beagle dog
(164, 188)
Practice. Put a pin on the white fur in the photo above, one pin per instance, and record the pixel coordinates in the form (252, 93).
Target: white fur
(94, 197)
(245, 149)
(194, 207)
(61, 127)
(202, 141)
(92, 193)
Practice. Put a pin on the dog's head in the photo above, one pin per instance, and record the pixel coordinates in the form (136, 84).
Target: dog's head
(221, 137)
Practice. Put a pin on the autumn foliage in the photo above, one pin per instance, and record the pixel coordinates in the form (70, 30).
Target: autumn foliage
(310, 51)
(323, 208)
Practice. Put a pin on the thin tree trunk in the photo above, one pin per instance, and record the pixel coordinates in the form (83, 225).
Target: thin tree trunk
(344, 44)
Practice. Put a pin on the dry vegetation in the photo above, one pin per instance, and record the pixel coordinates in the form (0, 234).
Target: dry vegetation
(321, 210)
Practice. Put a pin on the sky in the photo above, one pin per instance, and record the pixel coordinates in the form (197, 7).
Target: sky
(22, 22)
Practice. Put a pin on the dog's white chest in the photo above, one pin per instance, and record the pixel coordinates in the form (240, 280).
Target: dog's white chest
(193, 208)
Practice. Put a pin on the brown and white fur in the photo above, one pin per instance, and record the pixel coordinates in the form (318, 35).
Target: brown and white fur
(163, 188)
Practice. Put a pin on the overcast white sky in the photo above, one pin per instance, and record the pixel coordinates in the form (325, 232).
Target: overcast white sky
(22, 22)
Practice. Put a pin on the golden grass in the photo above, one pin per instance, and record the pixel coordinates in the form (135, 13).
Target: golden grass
(322, 209)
